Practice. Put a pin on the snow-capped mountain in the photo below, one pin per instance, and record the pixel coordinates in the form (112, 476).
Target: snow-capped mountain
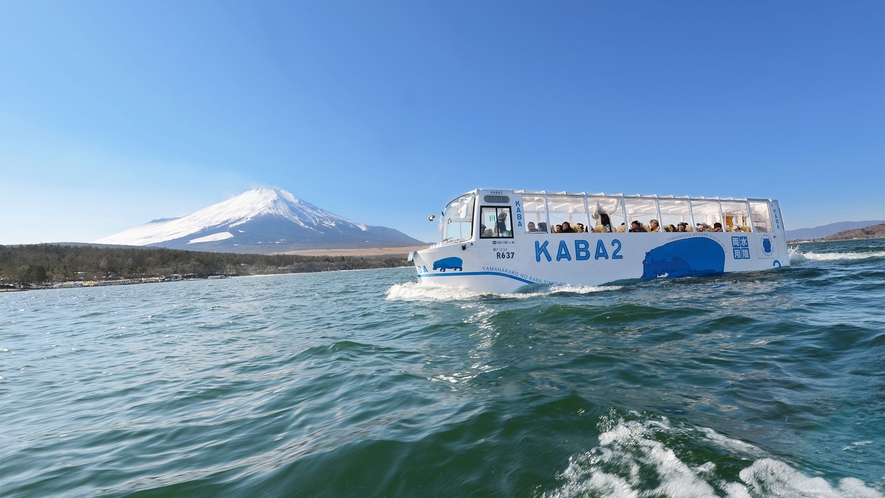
(261, 220)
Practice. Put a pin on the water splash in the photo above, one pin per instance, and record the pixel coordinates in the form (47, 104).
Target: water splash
(797, 256)
(417, 291)
(580, 289)
(640, 455)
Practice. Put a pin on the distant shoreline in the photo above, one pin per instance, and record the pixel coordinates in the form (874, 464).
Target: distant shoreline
(52, 265)
(359, 252)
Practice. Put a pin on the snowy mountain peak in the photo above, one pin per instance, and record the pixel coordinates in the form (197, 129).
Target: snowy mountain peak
(265, 201)
(275, 210)
(261, 220)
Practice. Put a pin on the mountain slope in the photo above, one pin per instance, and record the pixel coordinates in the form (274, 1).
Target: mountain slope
(826, 230)
(262, 220)
(870, 232)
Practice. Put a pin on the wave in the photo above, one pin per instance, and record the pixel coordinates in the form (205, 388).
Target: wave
(637, 451)
(417, 291)
(582, 289)
(797, 256)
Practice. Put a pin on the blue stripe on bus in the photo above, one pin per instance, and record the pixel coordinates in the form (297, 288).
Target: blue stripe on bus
(466, 273)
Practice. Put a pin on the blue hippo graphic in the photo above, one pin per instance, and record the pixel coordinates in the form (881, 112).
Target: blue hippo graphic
(680, 258)
(448, 264)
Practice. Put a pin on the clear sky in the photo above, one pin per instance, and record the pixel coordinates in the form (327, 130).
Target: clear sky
(115, 113)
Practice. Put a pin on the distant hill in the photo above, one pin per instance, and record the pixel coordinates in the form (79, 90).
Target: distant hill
(870, 232)
(260, 221)
(827, 230)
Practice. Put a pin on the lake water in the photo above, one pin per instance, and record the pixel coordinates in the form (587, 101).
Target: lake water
(366, 383)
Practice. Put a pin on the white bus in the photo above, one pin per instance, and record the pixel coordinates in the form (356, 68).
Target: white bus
(502, 240)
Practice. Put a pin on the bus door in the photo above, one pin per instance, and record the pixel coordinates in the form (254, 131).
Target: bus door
(496, 231)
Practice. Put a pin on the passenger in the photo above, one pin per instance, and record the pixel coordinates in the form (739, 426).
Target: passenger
(580, 228)
(653, 226)
(717, 227)
(602, 218)
(635, 226)
(532, 227)
(501, 223)
(622, 228)
(681, 226)
(566, 228)
(701, 227)
(558, 229)
(542, 226)
(671, 228)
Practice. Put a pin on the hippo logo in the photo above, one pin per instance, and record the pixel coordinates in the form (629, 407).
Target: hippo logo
(448, 264)
(766, 245)
(680, 258)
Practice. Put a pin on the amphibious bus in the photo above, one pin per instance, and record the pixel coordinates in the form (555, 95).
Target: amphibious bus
(499, 241)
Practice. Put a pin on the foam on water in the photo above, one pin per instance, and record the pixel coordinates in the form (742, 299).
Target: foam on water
(640, 455)
(581, 289)
(770, 477)
(417, 291)
(798, 256)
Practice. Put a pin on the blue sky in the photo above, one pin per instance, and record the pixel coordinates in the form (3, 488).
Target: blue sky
(116, 113)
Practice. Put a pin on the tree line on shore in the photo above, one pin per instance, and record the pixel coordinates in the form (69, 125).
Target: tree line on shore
(43, 263)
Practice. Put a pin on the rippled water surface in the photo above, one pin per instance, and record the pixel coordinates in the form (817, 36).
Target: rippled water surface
(368, 384)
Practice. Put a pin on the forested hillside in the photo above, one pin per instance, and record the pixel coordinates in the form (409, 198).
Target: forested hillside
(871, 232)
(43, 263)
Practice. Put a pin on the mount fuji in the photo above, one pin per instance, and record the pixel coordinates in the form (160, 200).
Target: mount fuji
(262, 220)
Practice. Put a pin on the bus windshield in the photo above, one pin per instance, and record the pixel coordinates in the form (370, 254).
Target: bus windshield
(456, 224)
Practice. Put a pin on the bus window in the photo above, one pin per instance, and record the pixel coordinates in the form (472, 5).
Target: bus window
(456, 224)
(674, 212)
(737, 216)
(606, 209)
(567, 208)
(706, 214)
(761, 216)
(534, 210)
(642, 210)
(495, 222)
